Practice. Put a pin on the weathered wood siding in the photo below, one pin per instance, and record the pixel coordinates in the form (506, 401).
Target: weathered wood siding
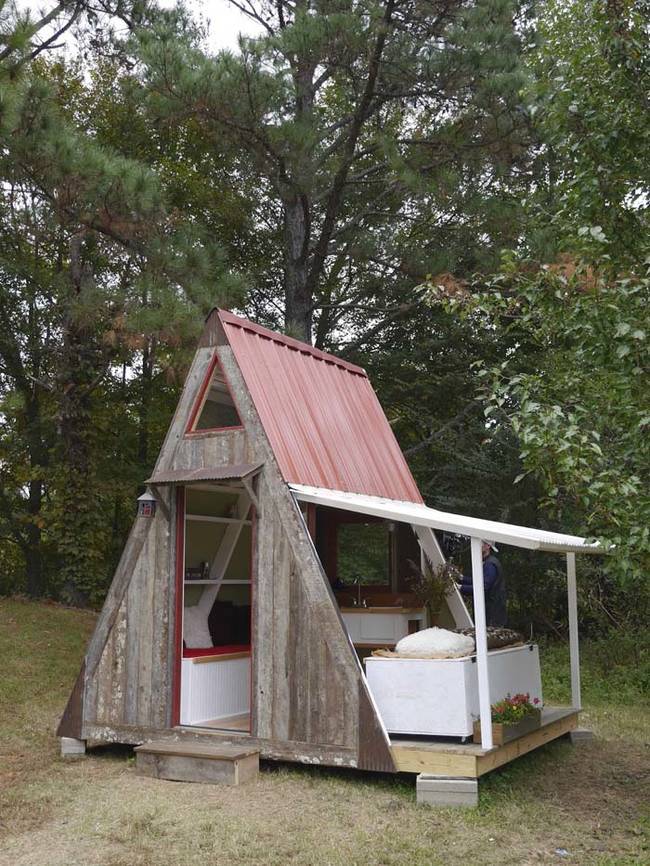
(201, 450)
(309, 696)
(304, 680)
(130, 660)
(204, 449)
(128, 670)
(71, 721)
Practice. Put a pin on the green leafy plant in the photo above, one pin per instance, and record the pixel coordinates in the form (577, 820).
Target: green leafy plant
(513, 709)
(432, 585)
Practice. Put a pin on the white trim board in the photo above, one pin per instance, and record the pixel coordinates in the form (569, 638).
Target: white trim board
(420, 515)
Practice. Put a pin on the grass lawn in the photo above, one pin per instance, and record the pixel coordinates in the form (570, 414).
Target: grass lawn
(586, 805)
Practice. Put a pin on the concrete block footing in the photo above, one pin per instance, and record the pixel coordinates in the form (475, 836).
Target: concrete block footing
(72, 748)
(446, 791)
(579, 736)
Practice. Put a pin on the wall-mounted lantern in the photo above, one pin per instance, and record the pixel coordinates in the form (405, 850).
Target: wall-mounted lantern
(146, 505)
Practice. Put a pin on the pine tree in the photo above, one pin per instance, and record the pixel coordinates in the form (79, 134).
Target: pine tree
(356, 121)
(91, 256)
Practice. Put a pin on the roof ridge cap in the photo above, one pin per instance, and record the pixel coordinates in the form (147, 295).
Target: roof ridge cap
(228, 318)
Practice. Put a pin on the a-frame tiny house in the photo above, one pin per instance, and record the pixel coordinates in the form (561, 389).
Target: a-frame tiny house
(224, 623)
(258, 412)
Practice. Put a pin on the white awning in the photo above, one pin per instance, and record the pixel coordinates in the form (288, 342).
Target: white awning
(420, 515)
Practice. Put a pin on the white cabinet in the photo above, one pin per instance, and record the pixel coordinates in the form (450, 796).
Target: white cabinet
(439, 697)
(377, 626)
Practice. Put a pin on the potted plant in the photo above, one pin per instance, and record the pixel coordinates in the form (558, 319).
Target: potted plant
(432, 585)
(512, 717)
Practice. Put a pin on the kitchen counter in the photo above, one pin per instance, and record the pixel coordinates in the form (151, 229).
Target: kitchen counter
(382, 626)
(386, 608)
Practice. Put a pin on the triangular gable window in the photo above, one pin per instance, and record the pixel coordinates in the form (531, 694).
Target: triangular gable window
(215, 409)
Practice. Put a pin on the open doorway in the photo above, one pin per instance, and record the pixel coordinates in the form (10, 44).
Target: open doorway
(216, 646)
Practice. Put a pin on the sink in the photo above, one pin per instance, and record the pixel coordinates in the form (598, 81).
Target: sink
(379, 608)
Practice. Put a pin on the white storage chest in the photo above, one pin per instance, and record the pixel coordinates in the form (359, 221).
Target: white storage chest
(439, 697)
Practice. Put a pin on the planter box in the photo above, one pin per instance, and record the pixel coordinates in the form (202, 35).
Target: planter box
(502, 734)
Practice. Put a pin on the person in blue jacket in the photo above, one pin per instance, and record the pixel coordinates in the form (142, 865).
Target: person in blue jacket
(495, 586)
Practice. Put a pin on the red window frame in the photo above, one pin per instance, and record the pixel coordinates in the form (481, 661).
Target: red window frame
(178, 606)
(200, 402)
(179, 583)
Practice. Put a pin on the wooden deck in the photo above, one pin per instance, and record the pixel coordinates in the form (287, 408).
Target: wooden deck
(410, 754)
(445, 758)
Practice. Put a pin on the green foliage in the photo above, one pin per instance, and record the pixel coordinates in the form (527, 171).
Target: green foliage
(577, 395)
(422, 365)
(371, 138)
(104, 285)
(590, 79)
(363, 554)
(334, 161)
(432, 585)
(572, 384)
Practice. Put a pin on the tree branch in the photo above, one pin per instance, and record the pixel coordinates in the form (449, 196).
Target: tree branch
(440, 432)
(247, 9)
(338, 185)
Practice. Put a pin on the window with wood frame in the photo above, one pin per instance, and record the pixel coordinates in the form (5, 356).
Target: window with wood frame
(364, 554)
(215, 409)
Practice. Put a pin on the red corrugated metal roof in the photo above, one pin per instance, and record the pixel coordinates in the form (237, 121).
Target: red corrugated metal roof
(321, 415)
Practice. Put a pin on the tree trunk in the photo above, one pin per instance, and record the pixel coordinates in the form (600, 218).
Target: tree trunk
(38, 458)
(298, 299)
(78, 530)
(76, 490)
(34, 563)
(297, 206)
(146, 395)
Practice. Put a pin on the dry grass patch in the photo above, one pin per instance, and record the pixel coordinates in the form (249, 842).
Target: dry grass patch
(95, 811)
(99, 813)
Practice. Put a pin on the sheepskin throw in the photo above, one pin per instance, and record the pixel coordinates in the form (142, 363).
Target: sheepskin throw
(434, 643)
(196, 633)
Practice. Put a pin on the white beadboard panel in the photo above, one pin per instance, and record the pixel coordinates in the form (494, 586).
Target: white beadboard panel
(214, 690)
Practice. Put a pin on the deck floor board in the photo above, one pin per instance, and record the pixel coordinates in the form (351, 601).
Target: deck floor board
(450, 757)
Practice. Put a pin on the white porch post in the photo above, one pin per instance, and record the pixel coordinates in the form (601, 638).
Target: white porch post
(574, 649)
(481, 644)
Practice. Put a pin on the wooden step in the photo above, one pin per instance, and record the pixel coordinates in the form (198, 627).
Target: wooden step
(219, 764)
